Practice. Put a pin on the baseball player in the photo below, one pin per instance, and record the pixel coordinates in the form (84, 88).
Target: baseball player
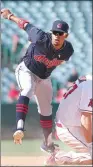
(74, 125)
(44, 54)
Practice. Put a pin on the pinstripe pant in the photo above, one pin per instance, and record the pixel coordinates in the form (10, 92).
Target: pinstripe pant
(72, 136)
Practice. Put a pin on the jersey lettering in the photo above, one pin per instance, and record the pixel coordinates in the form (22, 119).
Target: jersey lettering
(47, 62)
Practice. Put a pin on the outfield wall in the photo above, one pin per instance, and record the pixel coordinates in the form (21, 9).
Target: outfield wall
(32, 126)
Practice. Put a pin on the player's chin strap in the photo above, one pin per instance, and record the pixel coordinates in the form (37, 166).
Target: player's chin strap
(20, 23)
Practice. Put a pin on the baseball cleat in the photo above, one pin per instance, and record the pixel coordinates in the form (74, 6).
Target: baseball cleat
(49, 149)
(18, 135)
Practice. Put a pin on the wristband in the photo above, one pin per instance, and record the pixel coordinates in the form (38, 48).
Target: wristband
(21, 23)
(10, 16)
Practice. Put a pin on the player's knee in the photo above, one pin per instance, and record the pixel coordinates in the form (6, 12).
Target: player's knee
(45, 111)
(62, 133)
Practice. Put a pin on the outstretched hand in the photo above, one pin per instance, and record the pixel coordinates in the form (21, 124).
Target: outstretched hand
(5, 13)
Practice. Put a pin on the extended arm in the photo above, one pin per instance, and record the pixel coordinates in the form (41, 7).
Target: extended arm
(34, 34)
(6, 13)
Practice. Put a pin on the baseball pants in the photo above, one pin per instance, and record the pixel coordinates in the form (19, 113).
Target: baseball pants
(72, 136)
(30, 85)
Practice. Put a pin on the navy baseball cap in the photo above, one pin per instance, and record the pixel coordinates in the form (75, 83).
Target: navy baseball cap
(60, 26)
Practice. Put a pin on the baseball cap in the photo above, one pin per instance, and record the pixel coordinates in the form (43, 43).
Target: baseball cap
(60, 26)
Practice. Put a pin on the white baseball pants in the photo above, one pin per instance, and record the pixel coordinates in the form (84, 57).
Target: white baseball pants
(30, 85)
(73, 137)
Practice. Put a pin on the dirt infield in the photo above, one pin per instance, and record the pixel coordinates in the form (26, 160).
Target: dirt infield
(22, 161)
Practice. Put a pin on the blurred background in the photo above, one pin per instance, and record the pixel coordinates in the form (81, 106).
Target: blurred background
(14, 41)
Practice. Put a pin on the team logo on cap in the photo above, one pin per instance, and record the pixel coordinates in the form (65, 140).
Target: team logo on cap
(59, 25)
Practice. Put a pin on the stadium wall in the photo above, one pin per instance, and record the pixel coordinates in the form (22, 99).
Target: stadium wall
(32, 126)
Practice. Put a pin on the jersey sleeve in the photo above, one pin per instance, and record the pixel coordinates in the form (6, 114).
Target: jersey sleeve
(34, 34)
(86, 101)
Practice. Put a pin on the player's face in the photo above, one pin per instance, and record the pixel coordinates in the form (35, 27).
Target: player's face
(58, 39)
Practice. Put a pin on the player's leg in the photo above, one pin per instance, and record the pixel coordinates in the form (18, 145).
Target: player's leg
(43, 97)
(26, 84)
(73, 138)
(68, 158)
(72, 158)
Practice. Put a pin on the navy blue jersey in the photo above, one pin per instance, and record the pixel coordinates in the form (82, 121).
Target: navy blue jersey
(41, 57)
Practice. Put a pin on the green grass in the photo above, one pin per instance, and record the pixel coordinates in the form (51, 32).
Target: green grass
(28, 147)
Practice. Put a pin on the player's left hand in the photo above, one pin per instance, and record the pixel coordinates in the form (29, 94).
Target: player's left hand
(5, 13)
